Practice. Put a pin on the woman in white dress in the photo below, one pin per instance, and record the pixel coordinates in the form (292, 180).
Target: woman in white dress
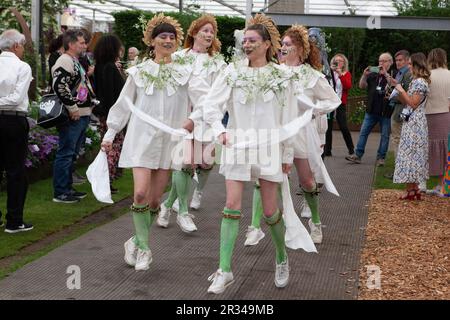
(203, 45)
(255, 92)
(160, 88)
(303, 58)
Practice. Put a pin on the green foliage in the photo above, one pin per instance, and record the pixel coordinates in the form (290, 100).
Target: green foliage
(349, 42)
(356, 116)
(128, 27)
(362, 47)
(49, 217)
(51, 8)
(423, 8)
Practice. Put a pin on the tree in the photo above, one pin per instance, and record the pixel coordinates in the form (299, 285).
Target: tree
(51, 8)
(423, 8)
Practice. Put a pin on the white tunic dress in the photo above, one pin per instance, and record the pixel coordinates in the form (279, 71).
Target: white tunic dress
(255, 99)
(313, 84)
(208, 67)
(163, 92)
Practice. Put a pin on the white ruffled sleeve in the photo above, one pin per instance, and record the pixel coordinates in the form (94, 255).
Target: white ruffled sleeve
(324, 97)
(210, 108)
(119, 114)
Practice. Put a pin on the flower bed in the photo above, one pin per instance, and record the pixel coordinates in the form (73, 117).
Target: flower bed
(43, 144)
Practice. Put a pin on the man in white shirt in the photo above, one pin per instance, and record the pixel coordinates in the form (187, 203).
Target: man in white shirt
(15, 79)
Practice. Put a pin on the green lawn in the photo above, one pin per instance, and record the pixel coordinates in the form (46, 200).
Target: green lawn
(49, 217)
(380, 182)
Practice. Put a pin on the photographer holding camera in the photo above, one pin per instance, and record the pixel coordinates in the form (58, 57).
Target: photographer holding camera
(375, 80)
(341, 82)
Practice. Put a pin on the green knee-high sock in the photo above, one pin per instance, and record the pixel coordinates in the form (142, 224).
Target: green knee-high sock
(257, 209)
(312, 198)
(142, 222)
(182, 180)
(202, 175)
(173, 192)
(143, 218)
(277, 230)
(228, 234)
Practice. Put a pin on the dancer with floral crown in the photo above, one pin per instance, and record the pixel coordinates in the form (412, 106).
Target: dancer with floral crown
(154, 100)
(203, 46)
(302, 57)
(255, 91)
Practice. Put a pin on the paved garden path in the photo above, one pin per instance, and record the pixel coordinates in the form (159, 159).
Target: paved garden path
(182, 262)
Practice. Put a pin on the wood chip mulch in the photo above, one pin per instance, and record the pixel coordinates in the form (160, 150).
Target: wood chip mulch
(410, 243)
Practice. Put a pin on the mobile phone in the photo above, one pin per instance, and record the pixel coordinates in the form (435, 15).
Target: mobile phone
(374, 69)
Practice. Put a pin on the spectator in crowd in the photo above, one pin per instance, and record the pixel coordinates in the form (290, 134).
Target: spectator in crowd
(411, 165)
(109, 84)
(133, 54)
(86, 60)
(438, 114)
(120, 62)
(15, 79)
(375, 80)
(55, 49)
(339, 67)
(71, 84)
(404, 78)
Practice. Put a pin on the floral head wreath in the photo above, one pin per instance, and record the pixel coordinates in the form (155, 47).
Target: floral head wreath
(271, 28)
(303, 32)
(156, 21)
(196, 25)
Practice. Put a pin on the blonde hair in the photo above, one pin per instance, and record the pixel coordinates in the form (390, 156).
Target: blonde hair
(345, 69)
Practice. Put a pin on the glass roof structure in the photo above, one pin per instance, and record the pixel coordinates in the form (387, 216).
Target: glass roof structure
(101, 10)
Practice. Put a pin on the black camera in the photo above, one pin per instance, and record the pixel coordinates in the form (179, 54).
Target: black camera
(405, 114)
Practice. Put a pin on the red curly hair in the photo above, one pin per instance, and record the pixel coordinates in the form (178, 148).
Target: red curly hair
(195, 27)
(314, 57)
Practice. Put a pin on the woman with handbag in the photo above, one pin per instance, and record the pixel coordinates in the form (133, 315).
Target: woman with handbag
(411, 165)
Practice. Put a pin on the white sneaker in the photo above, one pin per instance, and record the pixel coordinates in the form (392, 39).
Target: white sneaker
(282, 274)
(316, 231)
(196, 199)
(164, 216)
(306, 211)
(254, 235)
(220, 280)
(143, 260)
(185, 222)
(130, 252)
(176, 206)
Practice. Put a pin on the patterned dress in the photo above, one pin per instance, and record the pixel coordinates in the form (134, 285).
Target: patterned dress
(411, 165)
